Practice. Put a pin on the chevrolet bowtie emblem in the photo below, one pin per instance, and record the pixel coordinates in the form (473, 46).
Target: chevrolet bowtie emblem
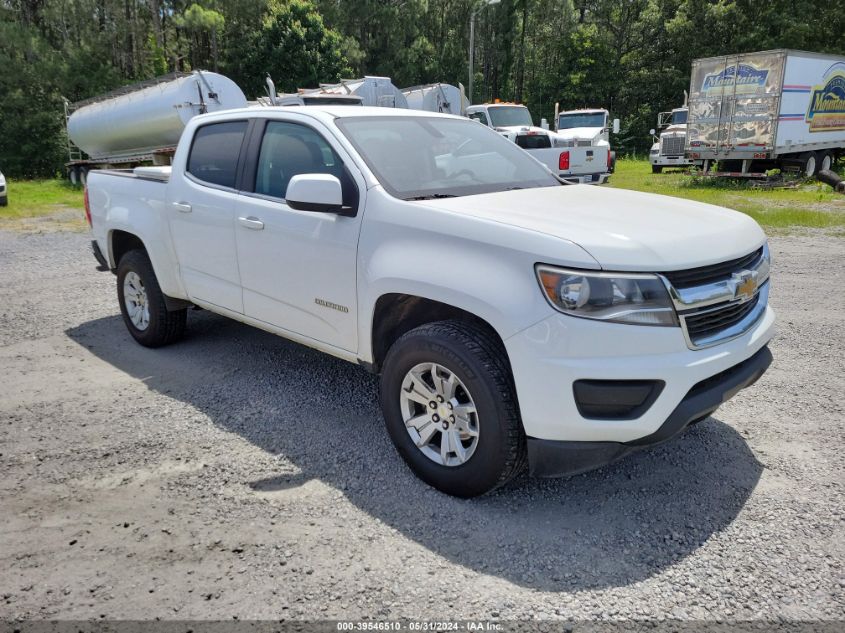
(745, 284)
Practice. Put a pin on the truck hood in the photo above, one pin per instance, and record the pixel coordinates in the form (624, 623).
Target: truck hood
(579, 133)
(622, 230)
(521, 129)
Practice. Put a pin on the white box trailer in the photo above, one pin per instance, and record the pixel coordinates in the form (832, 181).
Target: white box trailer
(756, 111)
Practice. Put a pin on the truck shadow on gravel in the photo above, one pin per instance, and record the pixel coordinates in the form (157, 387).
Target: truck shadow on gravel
(609, 528)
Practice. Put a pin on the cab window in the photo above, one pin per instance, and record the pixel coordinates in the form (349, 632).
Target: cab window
(290, 149)
(215, 151)
(480, 117)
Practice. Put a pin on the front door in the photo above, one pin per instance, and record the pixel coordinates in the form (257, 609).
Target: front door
(298, 268)
(201, 208)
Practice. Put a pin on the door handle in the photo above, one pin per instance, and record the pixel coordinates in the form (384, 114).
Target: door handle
(252, 223)
(182, 207)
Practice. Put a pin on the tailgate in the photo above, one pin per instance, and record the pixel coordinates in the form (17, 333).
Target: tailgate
(582, 160)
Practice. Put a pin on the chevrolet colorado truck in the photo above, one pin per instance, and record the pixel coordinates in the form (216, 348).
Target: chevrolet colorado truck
(572, 159)
(513, 320)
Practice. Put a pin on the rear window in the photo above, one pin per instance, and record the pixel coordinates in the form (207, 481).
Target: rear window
(215, 151)
(535, 141)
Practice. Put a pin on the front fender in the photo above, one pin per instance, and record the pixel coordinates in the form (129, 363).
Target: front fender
(482, 267)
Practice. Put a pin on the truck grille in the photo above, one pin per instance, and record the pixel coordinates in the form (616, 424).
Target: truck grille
(672, 145)
(721, 301)
(704, 324)
(714, 272)
(574, 143)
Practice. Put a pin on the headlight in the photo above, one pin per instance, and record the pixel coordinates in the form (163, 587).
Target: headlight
(613, 297)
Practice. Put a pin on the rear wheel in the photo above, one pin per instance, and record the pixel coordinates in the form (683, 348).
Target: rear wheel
(657, 169)
(810, 162)
(450, 408)
(142, 303)
(826, 161)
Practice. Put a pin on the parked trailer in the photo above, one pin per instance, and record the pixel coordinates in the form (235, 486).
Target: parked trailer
(437, 97)
(772, 109)
(374, 91)
(141, 124)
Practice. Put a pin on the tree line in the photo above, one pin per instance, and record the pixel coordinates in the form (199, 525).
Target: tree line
(630, 56)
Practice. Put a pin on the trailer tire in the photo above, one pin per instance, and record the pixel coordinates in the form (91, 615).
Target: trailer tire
(156, 326)
(810, 164)
(825, 161)
(657, 169)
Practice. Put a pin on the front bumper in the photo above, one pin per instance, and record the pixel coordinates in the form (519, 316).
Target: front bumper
(548, 358)
(669, 161)
(551, 458)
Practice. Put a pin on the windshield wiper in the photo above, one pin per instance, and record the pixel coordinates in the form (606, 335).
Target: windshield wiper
(432, 196)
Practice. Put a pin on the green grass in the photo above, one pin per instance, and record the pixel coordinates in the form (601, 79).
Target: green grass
(32, 198)
(812, 205)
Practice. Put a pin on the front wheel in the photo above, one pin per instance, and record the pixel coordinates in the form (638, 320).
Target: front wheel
(142, 303)
(657, 169)
(449, 403)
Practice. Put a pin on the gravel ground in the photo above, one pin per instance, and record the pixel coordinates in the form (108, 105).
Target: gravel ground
(239, 475)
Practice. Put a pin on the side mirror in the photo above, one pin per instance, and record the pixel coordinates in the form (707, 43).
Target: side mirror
(320, 193)
(651, 131)
(616, 126)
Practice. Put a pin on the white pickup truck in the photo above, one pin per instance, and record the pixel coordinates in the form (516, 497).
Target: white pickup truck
(513, 319)
(568, 157)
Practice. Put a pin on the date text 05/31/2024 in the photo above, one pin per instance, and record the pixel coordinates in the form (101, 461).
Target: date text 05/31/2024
(472, 626)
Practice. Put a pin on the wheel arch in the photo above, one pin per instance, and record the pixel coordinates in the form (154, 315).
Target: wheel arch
(121, 242)
(396, 313)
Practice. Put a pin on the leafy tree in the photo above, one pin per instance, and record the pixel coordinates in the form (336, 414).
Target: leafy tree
(295, 47)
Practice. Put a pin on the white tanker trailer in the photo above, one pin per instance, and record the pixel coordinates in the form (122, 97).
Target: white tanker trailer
(374, 91)
(141, 124)
(437, 97)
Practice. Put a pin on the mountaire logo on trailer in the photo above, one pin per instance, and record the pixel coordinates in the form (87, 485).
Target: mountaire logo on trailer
(748, 79)
(826, 112)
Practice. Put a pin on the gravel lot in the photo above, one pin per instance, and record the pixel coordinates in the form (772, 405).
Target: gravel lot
(239, 475)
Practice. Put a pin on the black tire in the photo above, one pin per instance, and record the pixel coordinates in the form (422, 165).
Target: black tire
(165, 326)
(478, 359)
(810, 164)
(826, 157)
(4, 201)
(657, 169)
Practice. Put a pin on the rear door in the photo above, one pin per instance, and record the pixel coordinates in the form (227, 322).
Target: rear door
(298, 268)
(201, 208)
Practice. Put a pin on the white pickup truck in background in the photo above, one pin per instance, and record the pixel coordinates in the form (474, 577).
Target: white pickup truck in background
(566, 158)
(588, 127)
(511, 318)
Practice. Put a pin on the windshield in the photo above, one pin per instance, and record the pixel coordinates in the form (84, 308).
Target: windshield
(509, 116)
(582, 119)
(679, 117)
(426, 157)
